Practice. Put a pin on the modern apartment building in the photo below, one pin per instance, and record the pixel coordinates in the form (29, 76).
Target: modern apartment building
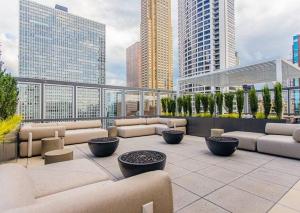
(57, 45)
(156, 44)
(296, 82)
(133, 65)
(206, 38)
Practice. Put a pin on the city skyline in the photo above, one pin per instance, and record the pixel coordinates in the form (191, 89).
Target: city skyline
(267, 29)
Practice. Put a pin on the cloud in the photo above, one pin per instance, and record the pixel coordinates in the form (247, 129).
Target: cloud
(264, 29)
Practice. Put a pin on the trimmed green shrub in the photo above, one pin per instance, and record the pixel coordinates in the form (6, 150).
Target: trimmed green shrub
(8, 95)
(198, 102)
(240, 101)
(189, 104)
(172, 104)
(229, 102)
(204, 102)
(219, 102)
(211, 104)
(169, 105)
(278, 100)
(266, 101)
(164, 104)
(253, 102)
(179, 105)
(185, 104)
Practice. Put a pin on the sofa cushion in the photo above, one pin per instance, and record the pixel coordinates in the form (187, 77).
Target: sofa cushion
(171, 122)
(153, 121)
(81, 124)
(84, 135)
(159, 128)
(58, 177)
(42, 124)
(135, 131)
(247, 140)
(296, 135)
(281, 128)
(36, 148)
(130, 122)
(17, 189)
(281, 145)
(39, 133)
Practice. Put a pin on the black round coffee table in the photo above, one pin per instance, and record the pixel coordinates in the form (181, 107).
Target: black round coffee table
(103, 147)
(173, 136)
(137, 162)
(223, 146)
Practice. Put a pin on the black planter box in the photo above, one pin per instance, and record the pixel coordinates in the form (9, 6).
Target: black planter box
(197, 126)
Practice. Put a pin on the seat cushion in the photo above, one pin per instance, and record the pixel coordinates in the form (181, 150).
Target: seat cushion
(279, 145)
(171, 122)
(135, 131)
(296, 135)
(247, 140)
(159, 128)
(36, 148)
(281, 128)
(58, 177)
(130, 122)
(84, 135)
(17, 188)
(39, 133)
(81, 124)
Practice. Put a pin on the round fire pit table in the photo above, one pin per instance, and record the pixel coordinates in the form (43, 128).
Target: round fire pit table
(103, 147)
(223, 146)
(173, 136)
(137, 162)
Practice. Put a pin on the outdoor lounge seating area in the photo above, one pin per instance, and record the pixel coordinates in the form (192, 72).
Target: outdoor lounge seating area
(261, 176)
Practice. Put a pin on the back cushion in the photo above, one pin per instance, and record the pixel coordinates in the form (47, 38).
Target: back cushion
(17, 189)
(173, 121)
(39, 133)
(281, 128)
(43, 124)
(153, 120)
(81, 124)
(130, 122)
(296, 135)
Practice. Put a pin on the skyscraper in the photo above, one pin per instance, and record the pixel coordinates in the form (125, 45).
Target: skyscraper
(296, 50)
(156, 44)
(57, 45)
(133, 65)
(296, 82)
(206, 38)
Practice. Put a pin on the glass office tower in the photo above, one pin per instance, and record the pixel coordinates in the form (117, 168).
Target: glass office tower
(57, 45)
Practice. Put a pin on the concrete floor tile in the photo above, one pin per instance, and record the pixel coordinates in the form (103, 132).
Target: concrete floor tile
(202, 206)
(182, 197)
(282, 209)
(191, 164)
(291, 200)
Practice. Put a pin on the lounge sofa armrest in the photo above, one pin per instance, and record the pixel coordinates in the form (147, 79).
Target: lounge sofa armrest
(126, 196)
(41, 132)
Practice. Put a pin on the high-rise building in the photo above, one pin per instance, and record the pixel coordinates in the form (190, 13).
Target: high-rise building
(206, 38)
(57, 45)
(133, 65)
(296, 82)
(296, 50)
(156, 44)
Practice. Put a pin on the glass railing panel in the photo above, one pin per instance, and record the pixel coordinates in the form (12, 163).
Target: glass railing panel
(88, 102)
(132, 103)
(112, 103)
(150, 104)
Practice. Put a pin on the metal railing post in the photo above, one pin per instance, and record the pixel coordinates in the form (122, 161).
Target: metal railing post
(158, 104)
(141, 103)
(123, 104)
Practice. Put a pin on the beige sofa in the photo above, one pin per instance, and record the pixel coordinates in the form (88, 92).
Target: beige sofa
(80, 186)
(70, 132)
(147, 126)
(282, 140)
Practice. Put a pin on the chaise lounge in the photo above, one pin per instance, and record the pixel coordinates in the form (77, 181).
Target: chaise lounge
(127, 128)
(59, 188)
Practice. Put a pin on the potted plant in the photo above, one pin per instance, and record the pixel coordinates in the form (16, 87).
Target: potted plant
(164, 105)
(278, 100)
(229, 102)
(211, 104)
(266, 101)
(179, 105)
(189, 104)
(219, 102)
(198, 102)
(204, 102)
(253, 102)
(185, 105)
(240, 101)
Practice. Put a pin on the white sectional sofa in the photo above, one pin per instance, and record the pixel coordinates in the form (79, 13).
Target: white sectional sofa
(80, 186)
(147, 126)
(281, 139)
(71, 132)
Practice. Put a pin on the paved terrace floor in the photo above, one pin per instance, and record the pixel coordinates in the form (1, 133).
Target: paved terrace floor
(202, 182)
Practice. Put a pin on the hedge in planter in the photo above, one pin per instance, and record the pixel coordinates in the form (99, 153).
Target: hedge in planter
(240, 101)
(211, 104)
(198, 102)
(278, 100)
(179, 105)
(219, 102)
(229, 102)
(253, 102)
(266, 101)
(204, 102)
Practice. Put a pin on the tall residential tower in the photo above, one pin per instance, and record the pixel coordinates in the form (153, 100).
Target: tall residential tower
(156, 44)
(133, 65)
(206, 38)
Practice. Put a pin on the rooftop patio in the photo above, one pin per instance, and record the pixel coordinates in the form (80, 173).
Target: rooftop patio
(202, 182)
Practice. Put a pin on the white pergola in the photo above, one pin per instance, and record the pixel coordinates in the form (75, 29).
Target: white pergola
(265, 72)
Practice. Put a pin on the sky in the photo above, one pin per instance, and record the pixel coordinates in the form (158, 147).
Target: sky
(264, 30)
